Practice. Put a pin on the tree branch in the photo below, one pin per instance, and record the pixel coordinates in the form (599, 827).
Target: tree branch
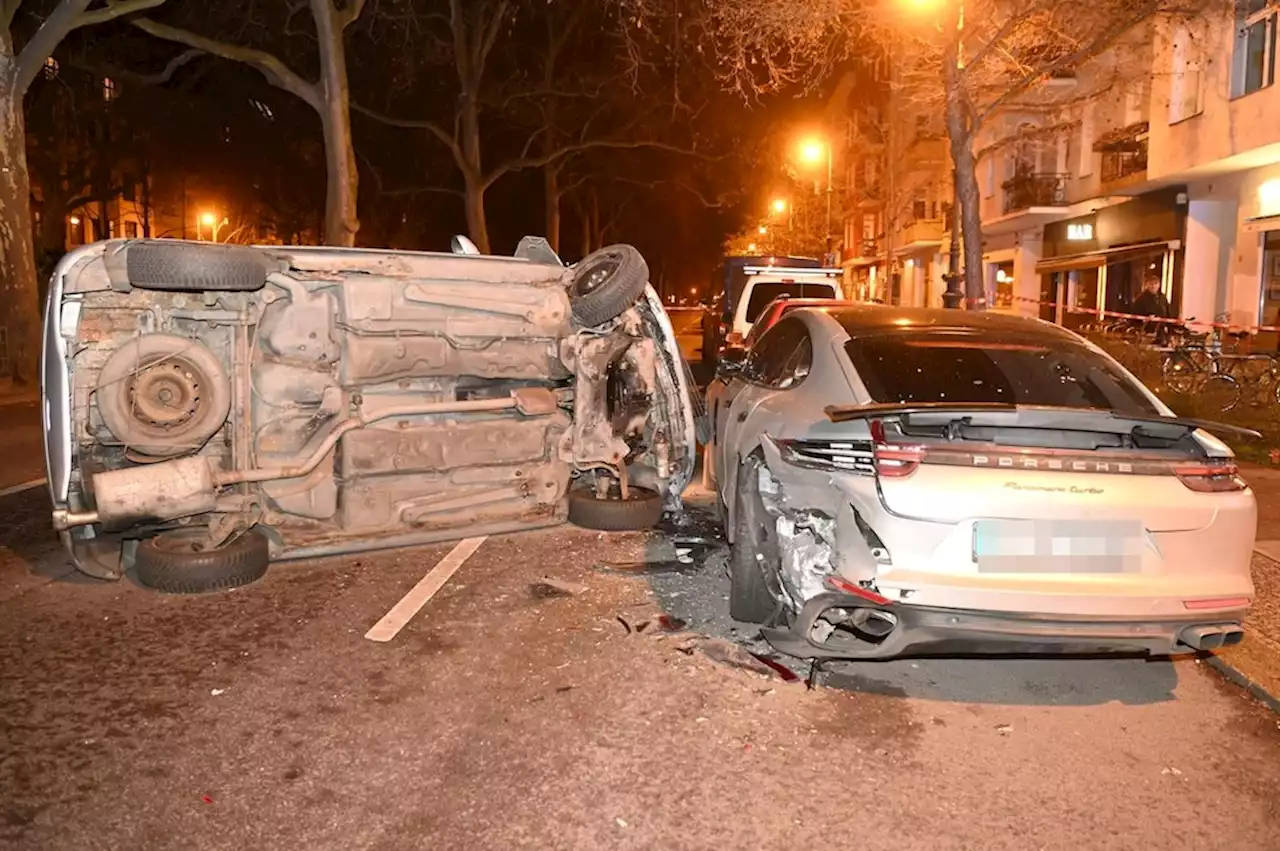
(411, 124)
(8, 8)
(277, 73)
(37, 51)
(347, 15)
(159, 79)
(115, 10)
(521, 163)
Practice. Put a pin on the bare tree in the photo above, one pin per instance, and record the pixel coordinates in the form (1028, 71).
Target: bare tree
(970, 59)
(328, 95)
(533, 120)
(20, 63)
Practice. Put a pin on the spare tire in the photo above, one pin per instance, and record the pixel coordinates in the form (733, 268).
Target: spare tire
(188, 267)
(641, 510)
(170, 563)
(606, 283)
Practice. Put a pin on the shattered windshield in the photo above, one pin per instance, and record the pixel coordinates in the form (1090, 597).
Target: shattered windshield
(967, 366)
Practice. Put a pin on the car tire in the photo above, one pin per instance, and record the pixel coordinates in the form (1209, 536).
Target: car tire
(641, 510)
(169, 564)
(750, 598)
(182, 267)
(606, 283)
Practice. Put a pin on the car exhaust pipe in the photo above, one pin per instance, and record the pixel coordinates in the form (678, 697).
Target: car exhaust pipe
(1232, 636)
(1204, 637)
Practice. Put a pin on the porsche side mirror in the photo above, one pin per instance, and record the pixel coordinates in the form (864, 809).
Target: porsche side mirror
(731, 362)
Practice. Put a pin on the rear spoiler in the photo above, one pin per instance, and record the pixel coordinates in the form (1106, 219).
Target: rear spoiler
(848, 413)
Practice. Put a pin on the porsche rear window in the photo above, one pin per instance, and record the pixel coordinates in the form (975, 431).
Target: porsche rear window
(975, 367)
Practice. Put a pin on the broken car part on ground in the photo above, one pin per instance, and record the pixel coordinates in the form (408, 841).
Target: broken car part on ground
(211, 407)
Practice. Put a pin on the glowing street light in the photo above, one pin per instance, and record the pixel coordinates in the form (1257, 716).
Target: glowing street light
(812, 151)
(751, 247)
(763, 230)
(210, 220)
(779, 205)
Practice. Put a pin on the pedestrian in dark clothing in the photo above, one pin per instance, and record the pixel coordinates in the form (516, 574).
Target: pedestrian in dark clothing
(1153, 303)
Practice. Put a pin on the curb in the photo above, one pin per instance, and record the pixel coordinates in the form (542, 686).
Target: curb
(1232, 674)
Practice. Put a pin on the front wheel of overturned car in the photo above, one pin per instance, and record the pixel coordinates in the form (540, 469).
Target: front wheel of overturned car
(606, 283)
(183, 267)
(173, 562)
(753, 551)
(642, 509)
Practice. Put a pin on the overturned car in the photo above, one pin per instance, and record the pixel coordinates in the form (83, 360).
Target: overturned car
(209, 408)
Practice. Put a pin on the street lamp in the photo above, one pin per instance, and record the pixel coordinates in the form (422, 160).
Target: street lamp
(751, 248)
(212, 222)
(763, 230)
(779, 205)
(812, 152)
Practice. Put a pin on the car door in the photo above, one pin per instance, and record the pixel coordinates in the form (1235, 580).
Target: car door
(778, 362)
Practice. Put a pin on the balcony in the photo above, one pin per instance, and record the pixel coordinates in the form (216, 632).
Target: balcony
(920, 233)
(1124, 154)
(862, 252)
(1034, 189)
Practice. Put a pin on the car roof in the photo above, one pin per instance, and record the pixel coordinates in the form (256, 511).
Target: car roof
(871, 319)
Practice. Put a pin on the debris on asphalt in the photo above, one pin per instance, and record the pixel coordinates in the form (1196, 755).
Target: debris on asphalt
(624, 623)
(728, 653)
(670, 624)
(692, 526)
(1004, 729)
(620, 822)
(548, 587)
(216, 691)
(1168, 770)
(784, 673)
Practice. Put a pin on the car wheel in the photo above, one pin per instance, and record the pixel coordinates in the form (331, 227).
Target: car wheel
(641, 510)
(163, 395)
(196, 268)
(754, 551)
(170, 562)
(606, 283)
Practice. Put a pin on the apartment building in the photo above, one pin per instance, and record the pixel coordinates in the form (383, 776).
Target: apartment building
(1159, 160)
(1215, 133)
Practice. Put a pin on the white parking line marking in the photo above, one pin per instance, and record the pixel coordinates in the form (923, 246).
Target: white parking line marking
(25, 486)
(410, 604)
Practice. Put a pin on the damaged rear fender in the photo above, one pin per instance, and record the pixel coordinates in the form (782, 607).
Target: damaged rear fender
(806, 491)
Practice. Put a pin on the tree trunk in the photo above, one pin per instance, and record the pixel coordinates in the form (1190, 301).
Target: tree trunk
(551, 193)
(19, 288)
(967, 194)
(473, 200)
(341, 222)
(597, 236)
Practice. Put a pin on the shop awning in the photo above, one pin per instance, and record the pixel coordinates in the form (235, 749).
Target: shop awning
(1096, 259)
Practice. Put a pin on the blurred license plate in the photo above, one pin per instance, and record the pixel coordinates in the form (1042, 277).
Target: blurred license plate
(1058, 546)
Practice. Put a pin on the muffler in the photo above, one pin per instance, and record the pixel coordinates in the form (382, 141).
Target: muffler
(164, 491)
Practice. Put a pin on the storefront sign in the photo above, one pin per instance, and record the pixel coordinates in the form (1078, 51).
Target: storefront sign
(1080, 233)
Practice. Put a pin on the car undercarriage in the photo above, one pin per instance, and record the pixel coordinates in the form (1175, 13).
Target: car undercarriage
(334, 400)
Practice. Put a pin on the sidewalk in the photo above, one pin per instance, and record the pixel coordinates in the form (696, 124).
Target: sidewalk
(1256, 661)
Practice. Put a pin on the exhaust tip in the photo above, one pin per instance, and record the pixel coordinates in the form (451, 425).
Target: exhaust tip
(1202, 637)
(1231, 637)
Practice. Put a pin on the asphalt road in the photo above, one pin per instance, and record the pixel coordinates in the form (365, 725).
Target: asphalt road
(264, 719)
(21, 444)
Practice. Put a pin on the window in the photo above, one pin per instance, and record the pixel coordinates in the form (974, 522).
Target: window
(109, 89)
(764, 292)
(782, 358)
(1187, 82)
(1254, 65)
(1269, 304)
(50, 68)
(970, 365)
(868, 227)
(131, 230)
(1087, 134)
